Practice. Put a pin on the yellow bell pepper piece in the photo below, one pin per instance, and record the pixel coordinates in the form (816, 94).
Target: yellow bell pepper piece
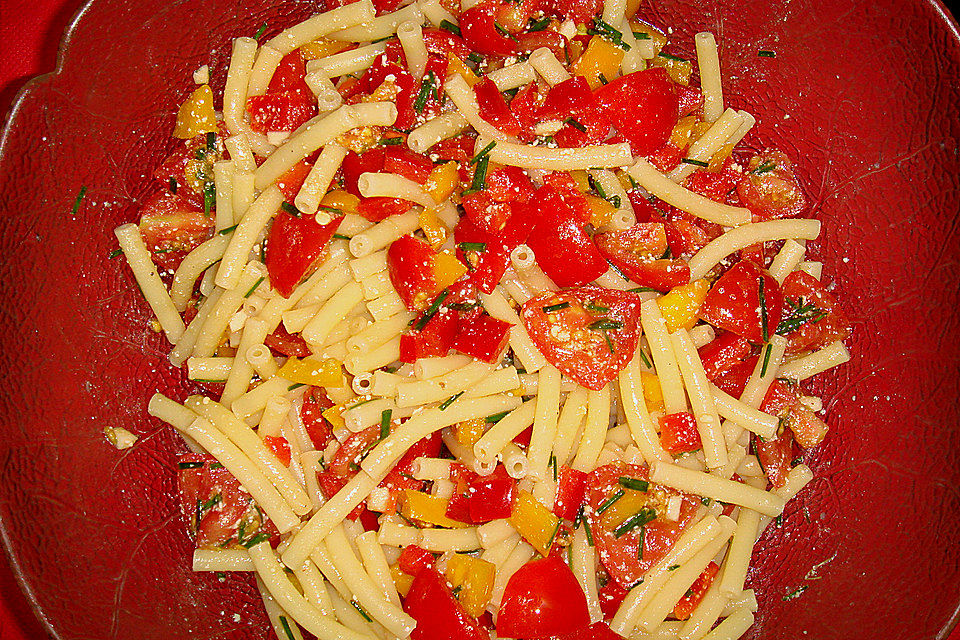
(401, 580)
(470, 431)
(602, 58)
(447, 270)
(601, 211)
(678, 70)
(196, 114)
(327, 373)
(475, 578)
(321, 48)
(456, 65)
(432, 227)
(580, 177)
(652, 393)
(681, 305)
(417, 505)
(342, 200)
(334, 416)
(625, 507)
(534, 522)
(442, 181)
(683, 134)
(632, 6)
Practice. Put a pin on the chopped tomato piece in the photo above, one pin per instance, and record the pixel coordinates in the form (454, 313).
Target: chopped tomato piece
(770, 189)
(678, 433)
(491, 497)
(171, 228)
(611, 597)
(493, 108)
(413, 558)
(380, 208)
(580, 11)
(478, 26)
(440, 42)
(315, 402)
(488, 254)
(638, 252)
(459, 148)
(409, 164)
(811, 318)
(295, 247)
(439, 615)
(694, 596)
(289, 344)
(288, 101)
(482, 337)
(775, 457)
(726, 350)
(279, 446)
(745, 300)
(419, 273)
(783, 400)
(589, 333)
(484, 211)
(574, 103)
(434, 339)
(291, 181)
(345, 464)
(571, 483)
(354, 165)
(542, 598)
(649, 92)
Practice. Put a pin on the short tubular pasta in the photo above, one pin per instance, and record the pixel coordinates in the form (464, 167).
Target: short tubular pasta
(830, 356)
(146, 274)
(668, 191)
(718, 249)
(711, 486)
(518, 155)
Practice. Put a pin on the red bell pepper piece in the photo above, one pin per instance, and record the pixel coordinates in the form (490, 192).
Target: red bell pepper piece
(478, 26)
(410, 265)
(489, 265)
(413, 558)
(379, 208)
(571, 484)
(435, 339)
(315, 402)
(573, 102)
(279, 446)
(811, 317)
(694, 596)
(440, 42)
(291, 181)
(439, 615)
(482, 337)
(491, 497)
(611, 596)
(295, 246)
(354, 165)
(745, 300)
(725, 351)
(458, 508)
(289, 344)
(649, 92)
(678, 433)
(459, 148)
(409, 164)
(493, 108)
(288, 101)
(580, 11)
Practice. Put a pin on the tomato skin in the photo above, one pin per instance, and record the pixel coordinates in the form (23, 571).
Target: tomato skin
(407, 163)
(533, 40)
(410, 264)
(315, 402)
(611, 597)
(580, 352)
(733, 303)
(725, 351)
(813, 335)
(715, 185)
(440, 42)
(491, 497)
(288, 101)
(459, 148)
(435, 339)
(485, 212)
(543, 598)
(650, 92)
(493, 108)
(279, 446)
(379, 208)
(637, 253)
(571, 484)
(573, 98)
(413, 558)
(438, 614)
(772, 194)
(459, 506)
(489, 265)
(482, 337)
(783, 400)
(480, 34)
(291, 181)
(734, 380)
(509, 184)
(289, 75)
(689, 99)
(564, 250)
(295, 246)
(580, 11)
(694, 596)
(775, 456)
(678, 433)
(171, 228)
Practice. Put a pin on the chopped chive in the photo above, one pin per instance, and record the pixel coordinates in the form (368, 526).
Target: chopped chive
(633, 483)
(763, 312)
(113, 254)
(800, 313)
(766, 360)
(391, 141)
(480, 154)
(340, 236)
(480, 174)
(462, 306)
(332, 210)
(254, 287)
(605, 324)
(291, 209)
(778, 520)
(766, 54)
(362, 402)
(449, 401)
(553, 466)
(286, 628)
(211, 140)
(586, 530)
(295, 385)
(550, 308)
(641, 35)
(502, 31)
(606, 338)
(473, 246)
(598, 188)
(227, 230)
(646, 362)
(449, 26)
(76, 203)
(189, 465)
(698, 163)
(207, 380)
(209, 197)
(538, 25)
(385, 416)
(603, 79)
(795, 593)
(671, 57)
(260, 32)
(578, 518)
(673, 567)
(426, 87)
(765, 167)
(497, 417)
(255, 540)
(173, 186)
(431, 310)
(383, 39)
(356, 605)
(642, 290)
(615, 201)
(553, 536)
(576, 124)
(607, 32)
(596, 308)
(475, 57)
(609, 502)
(641, 518)
(706, 501)
(216, 465)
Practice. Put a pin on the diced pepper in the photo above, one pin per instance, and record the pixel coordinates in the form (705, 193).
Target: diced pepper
(401, 580)
(571, 484)
(602, 58)
(196, 114)
(678, 433)
(424, 507)
(534, 522)
(433, 228)
(691, 600)
(279, 446)
(652, 392)
(321, 48)
(681, 306)
(327, 373)
(474, 578)
(413, 558)
(442, 181)
(483, 337)
(455, 65)
(492, 497)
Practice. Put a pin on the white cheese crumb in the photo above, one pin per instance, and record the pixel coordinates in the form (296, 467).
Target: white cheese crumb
(276, 138)
(548, 127)
(119, 437)
(202, 75)
(568, 29)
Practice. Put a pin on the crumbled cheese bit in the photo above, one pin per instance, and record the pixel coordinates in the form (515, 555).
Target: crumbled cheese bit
(276, 138)
(548, 127)
(202, 75)
(119, 437)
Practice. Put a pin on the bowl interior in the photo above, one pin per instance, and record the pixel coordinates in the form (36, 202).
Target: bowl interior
(863, 96)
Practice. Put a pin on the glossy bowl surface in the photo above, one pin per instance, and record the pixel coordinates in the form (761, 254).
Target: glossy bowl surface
(863, 95)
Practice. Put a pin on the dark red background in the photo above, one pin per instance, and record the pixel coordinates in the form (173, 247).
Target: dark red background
(30, 31)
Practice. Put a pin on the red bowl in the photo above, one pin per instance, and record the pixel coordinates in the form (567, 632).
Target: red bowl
(863, 95)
